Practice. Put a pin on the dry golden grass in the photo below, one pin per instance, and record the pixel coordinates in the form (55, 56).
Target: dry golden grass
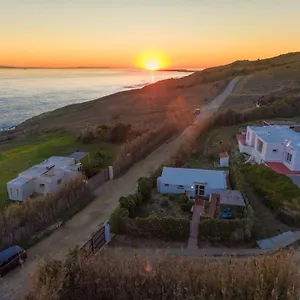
(19, 222)
(111, 276)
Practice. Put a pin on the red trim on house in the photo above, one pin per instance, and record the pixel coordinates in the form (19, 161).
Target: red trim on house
(280, 168)
(241, 138)
(223, 155)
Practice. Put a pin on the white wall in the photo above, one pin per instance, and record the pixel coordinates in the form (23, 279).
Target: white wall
(245, 149)
(296, 162)
(19, 192)
(174, 189)
(224, 161)
(270, 155)
(250, 137)
(293, 162)
(37, 188)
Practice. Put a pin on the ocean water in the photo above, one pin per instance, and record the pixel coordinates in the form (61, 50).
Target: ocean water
(25, 93)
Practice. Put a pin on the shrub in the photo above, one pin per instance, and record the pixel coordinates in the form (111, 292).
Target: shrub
(130, 203)
(134, 150)
(277, 190)
(185, 203)
(113, 276)
(19, 222)
(119, 133)
(164, 203)
(223, 230)
(166, 228)
(145, 188)
(119, 220)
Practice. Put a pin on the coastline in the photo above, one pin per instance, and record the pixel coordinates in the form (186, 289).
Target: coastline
(124, 88)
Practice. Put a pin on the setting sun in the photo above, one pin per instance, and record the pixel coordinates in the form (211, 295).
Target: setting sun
(152, 60)
(152, 65)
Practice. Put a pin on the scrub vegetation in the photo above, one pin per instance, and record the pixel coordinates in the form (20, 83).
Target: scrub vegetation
(110, 276)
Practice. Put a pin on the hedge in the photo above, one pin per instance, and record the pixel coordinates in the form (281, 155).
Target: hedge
(224, 230)
(166, 228)
(276, 189)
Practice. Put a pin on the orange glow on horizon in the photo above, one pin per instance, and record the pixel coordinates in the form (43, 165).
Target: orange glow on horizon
(152, 60)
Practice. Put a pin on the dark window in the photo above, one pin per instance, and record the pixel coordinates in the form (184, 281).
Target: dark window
(274, 150)
(42, 185)
(289, 157)
(180, 187)
(59, 181)
(17, 192)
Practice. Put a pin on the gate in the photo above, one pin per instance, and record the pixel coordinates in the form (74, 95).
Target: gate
(96, 242)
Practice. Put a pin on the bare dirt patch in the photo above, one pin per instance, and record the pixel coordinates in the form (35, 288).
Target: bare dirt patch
(163, 206)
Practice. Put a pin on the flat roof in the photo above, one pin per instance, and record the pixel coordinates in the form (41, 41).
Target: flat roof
(277, 134)
(79, 155)
(232, 197)
(187, 177)
(34, 171)
(19, 180)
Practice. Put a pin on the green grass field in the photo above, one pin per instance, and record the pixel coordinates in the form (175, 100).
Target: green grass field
(19, 155)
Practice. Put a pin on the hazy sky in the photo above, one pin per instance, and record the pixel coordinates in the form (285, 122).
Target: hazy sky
(184, 33)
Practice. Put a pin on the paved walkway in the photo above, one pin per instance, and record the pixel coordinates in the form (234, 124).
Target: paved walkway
(194, 228)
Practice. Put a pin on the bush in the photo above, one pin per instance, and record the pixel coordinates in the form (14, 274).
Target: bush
(119, 133)
(119, 220)
(19, 222)
(130, 203)
(166, 228)
(113, 276)
(164, 203)
(186, 204)
(223, 230)
(145, 188)
(276, 190)
(135, 150)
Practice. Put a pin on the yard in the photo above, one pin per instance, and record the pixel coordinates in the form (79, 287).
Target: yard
(210, 144)
(21, 154)
(166, 206)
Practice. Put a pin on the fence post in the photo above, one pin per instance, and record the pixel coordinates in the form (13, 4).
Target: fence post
(110, 173)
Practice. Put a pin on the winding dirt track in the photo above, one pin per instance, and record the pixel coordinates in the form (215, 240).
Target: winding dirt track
(15, 284)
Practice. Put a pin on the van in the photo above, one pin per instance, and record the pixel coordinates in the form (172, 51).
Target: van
(11, 258)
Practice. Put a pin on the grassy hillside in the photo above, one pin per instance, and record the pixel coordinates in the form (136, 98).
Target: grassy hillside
(175, 99)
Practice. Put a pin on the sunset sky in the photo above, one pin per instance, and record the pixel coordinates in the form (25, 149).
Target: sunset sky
(128, 33)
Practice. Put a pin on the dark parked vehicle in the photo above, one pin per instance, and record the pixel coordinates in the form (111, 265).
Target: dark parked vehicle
(10, 258)
(227, 216)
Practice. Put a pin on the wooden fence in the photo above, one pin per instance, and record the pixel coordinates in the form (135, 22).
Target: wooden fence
(97, 180)
(95, 243)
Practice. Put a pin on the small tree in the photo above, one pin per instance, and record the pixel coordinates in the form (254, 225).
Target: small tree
(118, 220)
(145, 188)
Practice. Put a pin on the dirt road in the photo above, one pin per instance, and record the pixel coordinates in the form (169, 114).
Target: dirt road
(15, 284)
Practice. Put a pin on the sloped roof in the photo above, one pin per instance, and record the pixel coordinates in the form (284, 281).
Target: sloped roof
(182, 176)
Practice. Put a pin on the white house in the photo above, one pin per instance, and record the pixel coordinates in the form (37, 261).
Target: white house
(276, 146)
(43, 178)
(192, 181)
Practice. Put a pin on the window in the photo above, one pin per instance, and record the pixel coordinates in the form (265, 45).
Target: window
(289, 157)
(275, 150)
(10, 191)
(17, 192)
(166, 184)
(260, 145)
(42, 185)
(180, 187)
(59, 181)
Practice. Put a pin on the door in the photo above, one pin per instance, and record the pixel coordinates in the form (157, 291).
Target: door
(200, 190)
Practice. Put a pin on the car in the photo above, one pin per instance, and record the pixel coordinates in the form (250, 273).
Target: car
(227, 216)
(11, 258)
